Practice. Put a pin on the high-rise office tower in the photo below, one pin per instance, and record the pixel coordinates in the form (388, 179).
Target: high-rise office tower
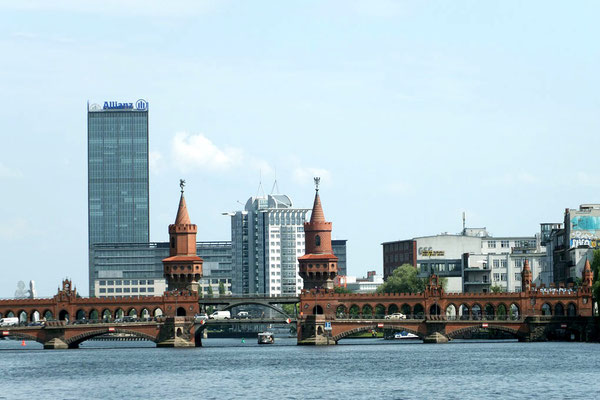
(267, 239)
(117, 177)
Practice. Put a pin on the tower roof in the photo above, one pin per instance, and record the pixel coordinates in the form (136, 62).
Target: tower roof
(317, 214)
(183, 217)
(587, 266)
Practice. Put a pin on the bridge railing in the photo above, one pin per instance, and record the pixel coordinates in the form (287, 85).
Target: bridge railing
(433, 317)
(250, 296)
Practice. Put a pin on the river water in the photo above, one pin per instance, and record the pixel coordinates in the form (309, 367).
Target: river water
(354, 369)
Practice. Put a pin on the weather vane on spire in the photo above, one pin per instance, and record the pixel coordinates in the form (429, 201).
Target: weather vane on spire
(317, 181)
(182, 184)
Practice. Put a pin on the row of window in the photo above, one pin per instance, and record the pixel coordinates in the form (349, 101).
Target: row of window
(126, 282)
(127, 290)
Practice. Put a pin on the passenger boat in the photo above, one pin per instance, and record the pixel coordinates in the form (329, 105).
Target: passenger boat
(266, 338)
(405, 335)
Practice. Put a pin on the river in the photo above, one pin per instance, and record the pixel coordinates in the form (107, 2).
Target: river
(354, 369)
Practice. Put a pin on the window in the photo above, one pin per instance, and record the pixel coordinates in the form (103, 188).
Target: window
(126, 290)
(102, 290)
(119, 290)
(134, 290)
(491, 244)
(505, 244)
(517, 276)
(496, 277)
(317, 240)
(151, 289)
(503, 263)
(518, 262)
(143, 290)
(126, 282)
(143, 282)
(496, 263)
(102, 283)
(134, 282)
(503, 277)
(150, 281)
(111, 290)
(110, 283)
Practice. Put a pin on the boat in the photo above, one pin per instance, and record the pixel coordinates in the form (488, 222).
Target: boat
(405, 335)
(266, 338)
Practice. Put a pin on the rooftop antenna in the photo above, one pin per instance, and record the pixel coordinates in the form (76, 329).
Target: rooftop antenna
(464, 222)
(275, 185)
(260, 188)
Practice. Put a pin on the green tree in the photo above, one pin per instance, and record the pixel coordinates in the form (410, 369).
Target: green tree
(496, 289)
(221, 288)
(340, 289)
(596, 271)
(289, 309)
(210, 291)
(404, 279)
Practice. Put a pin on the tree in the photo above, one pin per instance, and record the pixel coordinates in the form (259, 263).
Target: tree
(496, 289)
(210, 291)
(289, 309)
(340, 289)
(404, 279)
(221, 288)
(596, 271)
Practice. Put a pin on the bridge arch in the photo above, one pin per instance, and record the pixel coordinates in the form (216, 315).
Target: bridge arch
(451, 311)
(379, 311)
(34, 316)
(23, 317)
(559, 309)
(476, 311)
(94, 315)
(459, 332)
(132, 312)
(435, 309)
(63, 315)
(502, 311)
(106, 314)
(145, 313)
(571, 310)
(419, 311)
(515, 311)
(119, 313)
(546, 309)
(80, 314)
(9, 314)
(405, 309)
(180, 312)
(367, 328)
(24, 336)
(392, 309)
(367, 311)
(490, 312)
(257, 303)
(341, 311)
(75, 341)
(464, 312)
(158, 312)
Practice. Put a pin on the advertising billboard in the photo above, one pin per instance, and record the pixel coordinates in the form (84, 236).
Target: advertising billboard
(585, 231)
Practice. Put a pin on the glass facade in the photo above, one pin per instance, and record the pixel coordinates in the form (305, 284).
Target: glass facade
(118, 176)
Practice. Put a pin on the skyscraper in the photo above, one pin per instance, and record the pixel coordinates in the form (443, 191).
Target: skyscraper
(267, 238)
(117, 175)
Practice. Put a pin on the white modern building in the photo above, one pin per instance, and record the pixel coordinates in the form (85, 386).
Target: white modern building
(362, 285)
(267, 239)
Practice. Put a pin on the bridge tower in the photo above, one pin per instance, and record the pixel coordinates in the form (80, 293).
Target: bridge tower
(588, 276)
(183, 268)
(526, 277)
(318, 266)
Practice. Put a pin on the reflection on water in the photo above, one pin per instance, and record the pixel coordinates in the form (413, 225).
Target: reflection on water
(356, 368)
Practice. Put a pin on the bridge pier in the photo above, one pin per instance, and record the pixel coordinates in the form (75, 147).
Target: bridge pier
(177, 332)
(312, 332)
(56, 344)
(436, 332)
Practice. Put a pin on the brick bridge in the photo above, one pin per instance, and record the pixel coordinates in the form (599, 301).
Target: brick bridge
(435, 316)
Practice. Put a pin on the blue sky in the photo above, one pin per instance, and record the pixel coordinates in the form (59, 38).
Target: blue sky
(410, 111)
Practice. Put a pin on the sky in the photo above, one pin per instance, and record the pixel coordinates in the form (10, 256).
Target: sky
(411, 112)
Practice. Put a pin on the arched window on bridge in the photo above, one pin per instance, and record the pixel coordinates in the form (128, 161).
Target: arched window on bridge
(571, 310)
(317, 240)
(501, 312)
(379, 311)
(435, 310)
(94, 315)
(392, 309)
(451, 312)
(546, 309)
(514, 312)
(559, 309)
(405, 309)
(106, 315)
(419, 311)
(158, 312)
(489, 311)
(35, 316)
(464, 312)
(317, 310)
(1, 316)
(23, 317)
(354, 311)
(48, 316)
(80, 315)
(63, 315)
(367, 311)
(145, 314)
(10, 314)
(340, 312)
(132, 313)
(119, 314)
(181, 312)
(476, 312)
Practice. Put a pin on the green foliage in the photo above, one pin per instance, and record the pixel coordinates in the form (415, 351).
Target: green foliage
(221, 288)
(210, 291)
(289, 309)
(404, 279)
(496, 289)
(596, 271)
(339, 289)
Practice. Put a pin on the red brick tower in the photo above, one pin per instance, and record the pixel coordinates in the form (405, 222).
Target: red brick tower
(183, 268)
(318, 266)
(526, 277)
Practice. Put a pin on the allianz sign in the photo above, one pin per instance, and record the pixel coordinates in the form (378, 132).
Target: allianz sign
(141, 105)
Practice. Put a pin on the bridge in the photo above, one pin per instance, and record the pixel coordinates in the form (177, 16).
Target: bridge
(436, 317)
(268, 301)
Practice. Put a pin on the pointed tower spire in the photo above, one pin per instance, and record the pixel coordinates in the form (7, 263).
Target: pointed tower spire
(183, 267)
(318, 266)
(526, 277)
(588, 276)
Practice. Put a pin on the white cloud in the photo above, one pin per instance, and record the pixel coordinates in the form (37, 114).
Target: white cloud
(199, 152)
(155, 161)
(6, 172)
(305, 175)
